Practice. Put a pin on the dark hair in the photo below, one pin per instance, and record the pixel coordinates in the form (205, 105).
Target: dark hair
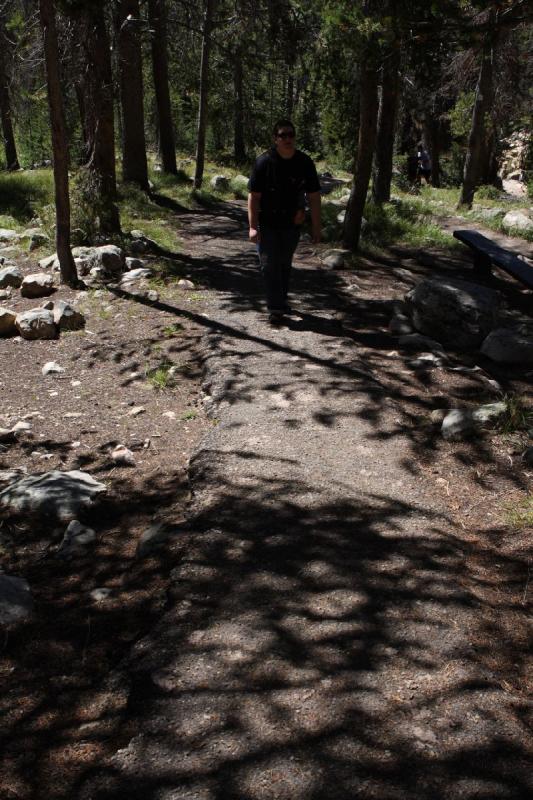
(283, 123)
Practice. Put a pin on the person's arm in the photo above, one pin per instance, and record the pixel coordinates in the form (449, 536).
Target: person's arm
(316, 222)
(254, 201)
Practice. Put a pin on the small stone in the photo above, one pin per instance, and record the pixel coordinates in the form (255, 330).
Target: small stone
(77, 536)
(136, 410)
(21, 427)
(426, 361)
(183, 283)
(7, 235)
(49, 262)
(152, 296)
(101, 593)
(437, 415)
(337, 259)
(10, 276)
(121, 455)
(460, 423)
(136, 275)
(51, 366)
(16, 603)
(169, 414)
(219, 183)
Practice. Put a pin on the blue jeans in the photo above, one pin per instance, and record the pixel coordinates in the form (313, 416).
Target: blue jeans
(276, 249)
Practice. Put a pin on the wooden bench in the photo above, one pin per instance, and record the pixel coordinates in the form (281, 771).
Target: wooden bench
(487, 253)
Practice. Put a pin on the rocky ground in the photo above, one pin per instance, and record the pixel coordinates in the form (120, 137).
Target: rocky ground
(297, 587)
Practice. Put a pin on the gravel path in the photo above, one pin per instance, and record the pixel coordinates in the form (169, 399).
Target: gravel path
(326, 635)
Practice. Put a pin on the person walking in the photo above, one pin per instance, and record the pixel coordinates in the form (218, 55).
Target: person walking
(280, 181)
(424, 164)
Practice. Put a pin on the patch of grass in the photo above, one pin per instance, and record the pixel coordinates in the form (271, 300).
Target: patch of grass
(172, 330)
(189, 415)
(22, 194)
(518, 415)
(520, 515)
(406, 221)
(161, 377)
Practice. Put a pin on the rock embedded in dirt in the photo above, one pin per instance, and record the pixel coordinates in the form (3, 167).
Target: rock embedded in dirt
(462, 422)
(58, 494)
(39, 284)
(38, 323)
(7, 322)
(66, 317)
(77, 536)
(519, 220)
(110, 258)
(136, 275)
(426, 361)
(219, 183)
(101, 593)
(457, 313)
(183, 283)
(10, 276)
(21, 428)
(51, 366)
(49, 262)
(506, 346)
(337, 258)
(121, 455)
(7, 235)
(7, 436)
(16, 602)
(134, 263)
(5, 294)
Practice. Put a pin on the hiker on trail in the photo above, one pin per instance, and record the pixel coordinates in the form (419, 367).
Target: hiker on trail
(424, 163)
(281, 180)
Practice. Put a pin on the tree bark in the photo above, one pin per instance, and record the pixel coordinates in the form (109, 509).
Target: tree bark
(134, 164)
(10, 147)
(478, 142)
(157, 19)
(67, 266)
(238, 138)
(204, 93)
(433, 138)
(388, 108)
(368, 113)
(97, 88)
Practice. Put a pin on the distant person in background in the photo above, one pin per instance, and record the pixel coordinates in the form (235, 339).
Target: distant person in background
(281, 180)
(424, 164)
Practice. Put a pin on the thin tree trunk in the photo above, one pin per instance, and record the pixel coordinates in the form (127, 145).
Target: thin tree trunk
(480, 131)
(157, 18)
(388, 108)
(432, 130)
(59, 144)
(204, 93)
(12, 161)
(365, 151)
(134, 164)
(97, 88)
(239, 146)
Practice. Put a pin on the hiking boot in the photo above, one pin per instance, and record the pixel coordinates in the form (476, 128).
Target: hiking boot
(275, 317)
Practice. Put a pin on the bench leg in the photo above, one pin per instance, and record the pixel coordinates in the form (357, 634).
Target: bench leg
(482, 264)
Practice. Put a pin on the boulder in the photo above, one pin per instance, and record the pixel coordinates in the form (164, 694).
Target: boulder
(38, 323)
(59, 494)
(10, 276)
(462, 422)
(7, 322)
(39, 284)
(337, 258)
(7, 235)
(453, 312)
(507, 346)
(50, 262)
(219, 183)
(108, 257)
(16, 603)
(66, 317)
(519, 220)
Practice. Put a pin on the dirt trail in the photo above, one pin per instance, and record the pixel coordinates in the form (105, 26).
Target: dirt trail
(329, 633)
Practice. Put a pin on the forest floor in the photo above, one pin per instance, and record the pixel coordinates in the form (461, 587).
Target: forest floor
(341, 611)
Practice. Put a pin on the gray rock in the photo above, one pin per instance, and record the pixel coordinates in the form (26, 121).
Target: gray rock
(437, 415)
(76, 537)
(38, 323)
(136, 275)
(101, 593)
(5, 294)
(7, 436)
(154, 537)
(36, 238)
(219, 183)
(16, 603)
(491, 213)
(39, 284)
(10, 276)
(400, 325)
(454, 312)
(7, 322)
(51, 366)
(7, 235)
(134, 263)
(519, 220)
(108, 257)
(152, 295)
(139, 246)
(426, 361)
(337, 258)
(66, 317)
(462, 422)
(59, 494)
(415, 341)
(49, 262)
(506, 346)
(183, 283)
(83, 266)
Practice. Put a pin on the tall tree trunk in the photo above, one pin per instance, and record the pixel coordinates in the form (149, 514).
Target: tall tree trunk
(433, 133)
(59, 143)
(479, 132)
(97, 87)
(388, 108)
(238, 139)
(204, 93)
(12, 161)
(158, 21)
(368, 114)
(134, 164)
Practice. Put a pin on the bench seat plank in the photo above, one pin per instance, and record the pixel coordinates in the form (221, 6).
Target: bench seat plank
(500, 257)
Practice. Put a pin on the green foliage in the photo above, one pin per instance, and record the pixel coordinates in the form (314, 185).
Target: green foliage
(161, 377)
(488, 192)
(520, 515)
(23, 194)
(518, 415)
(405, 220)
(461, 115)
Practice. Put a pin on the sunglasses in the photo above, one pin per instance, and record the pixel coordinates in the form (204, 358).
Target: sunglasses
(286, 135)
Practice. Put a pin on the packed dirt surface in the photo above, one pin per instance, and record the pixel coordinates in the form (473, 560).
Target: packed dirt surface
(339, 610)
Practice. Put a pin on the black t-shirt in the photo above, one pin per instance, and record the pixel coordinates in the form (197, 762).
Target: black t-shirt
(282, 183)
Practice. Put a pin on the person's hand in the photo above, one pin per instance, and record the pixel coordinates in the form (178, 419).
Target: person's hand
(299, 217)
(316, 235)
(253, 235)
